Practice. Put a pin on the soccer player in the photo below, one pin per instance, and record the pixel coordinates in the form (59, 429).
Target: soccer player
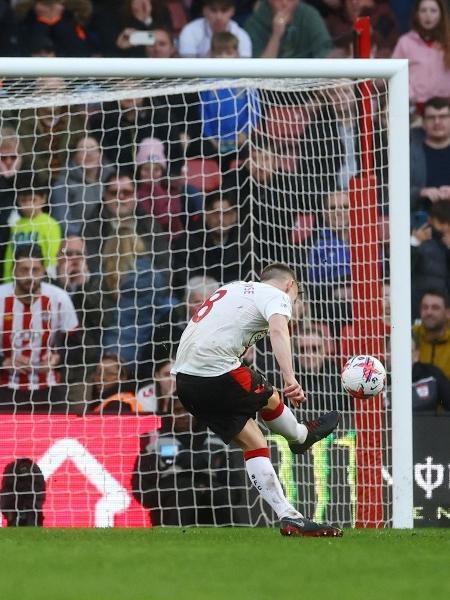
(215, 387)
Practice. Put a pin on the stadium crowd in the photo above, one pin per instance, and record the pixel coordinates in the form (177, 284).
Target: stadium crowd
(123, 216)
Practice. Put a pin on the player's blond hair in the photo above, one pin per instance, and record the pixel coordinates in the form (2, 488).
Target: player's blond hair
(277, 271)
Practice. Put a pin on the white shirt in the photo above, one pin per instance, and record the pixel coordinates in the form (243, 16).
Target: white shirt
(195, 39)
(234, 318)
(30, 331)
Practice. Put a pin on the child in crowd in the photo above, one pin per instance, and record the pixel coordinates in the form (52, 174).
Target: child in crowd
(195, 37)
(226, 113)
(33, 226)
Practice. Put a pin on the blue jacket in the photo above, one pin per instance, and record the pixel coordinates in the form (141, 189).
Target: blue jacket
(143, 303)
(329, 259)
(228, 112)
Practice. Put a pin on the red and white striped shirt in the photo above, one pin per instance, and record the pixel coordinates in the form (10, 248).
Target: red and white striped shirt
(29, 330)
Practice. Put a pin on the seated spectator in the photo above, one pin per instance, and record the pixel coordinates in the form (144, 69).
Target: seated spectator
(432, 334)
(50, 18)
(384, 26)
(37, 320)
(287, 29)
(183, 476)
(10, 165)
(228, 113)
(119, 207)
(431, 388)
(48, 133)
(427, 47)
(430, 254)
(195, 37)
(163, 46)
(153, 196)
(320, 375)
(114, 27)
(190, 197)
(73, 276)
(33, 226)
(329, 259)
(78, 189)
(111, 387)
(218, 250)
(9, 45)
(122, 125)
(329, 145)
(198, 289)
(430, 155)
(134, 296)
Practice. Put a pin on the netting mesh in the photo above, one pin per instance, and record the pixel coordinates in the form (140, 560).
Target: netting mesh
(143, 197)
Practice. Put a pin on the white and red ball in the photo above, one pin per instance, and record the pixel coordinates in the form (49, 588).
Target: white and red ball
(363, 376)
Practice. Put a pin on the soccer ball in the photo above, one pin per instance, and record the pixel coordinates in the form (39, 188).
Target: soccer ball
(363, 376)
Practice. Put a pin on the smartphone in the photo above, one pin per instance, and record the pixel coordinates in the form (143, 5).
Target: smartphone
(142, 38)
(419, 219)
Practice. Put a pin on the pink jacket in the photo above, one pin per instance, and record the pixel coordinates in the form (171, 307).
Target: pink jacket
(428, 75)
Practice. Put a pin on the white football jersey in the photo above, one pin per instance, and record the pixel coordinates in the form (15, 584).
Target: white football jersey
(29, 330)
(232, 319)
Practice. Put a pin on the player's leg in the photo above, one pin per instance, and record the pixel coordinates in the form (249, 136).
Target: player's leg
(263, 476)
(281, 420)
(260, 470)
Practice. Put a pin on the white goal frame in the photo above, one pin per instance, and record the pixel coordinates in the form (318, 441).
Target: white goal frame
(396, 73)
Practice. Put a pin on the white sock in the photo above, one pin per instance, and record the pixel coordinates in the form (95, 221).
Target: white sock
(285, 424)
(263, 477)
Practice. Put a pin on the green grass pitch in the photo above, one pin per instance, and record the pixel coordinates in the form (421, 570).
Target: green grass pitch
(228, 564)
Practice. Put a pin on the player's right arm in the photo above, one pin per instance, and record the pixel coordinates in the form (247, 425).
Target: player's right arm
(281, 346)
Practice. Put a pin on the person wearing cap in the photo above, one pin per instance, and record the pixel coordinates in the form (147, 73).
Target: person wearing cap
(152, 192)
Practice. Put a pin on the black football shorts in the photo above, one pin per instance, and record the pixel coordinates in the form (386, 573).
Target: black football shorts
(224, 403)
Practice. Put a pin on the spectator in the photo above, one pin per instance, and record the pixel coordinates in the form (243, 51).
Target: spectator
(228, 113)
(122, 125)
(195, 37)
(134, 296)
(78, 189)
(329, 259)
(112, 389)
(384, 25)
(183, 476)
(153, 196)
(190, 197)
(198, 289)
(329, 145)
(22, 494)
(119, 207)
(115, 27)
(50, 18)
(432, 335)
(319, 374)
(10, 165)
(218, 250)
(47, 133)
(430, 254)
(8, 25)
(163, 46)
(288, 29)
(430, 155)
(73, 276)
(427, 46)
(33, 226)
(37, 320)
(431, 388)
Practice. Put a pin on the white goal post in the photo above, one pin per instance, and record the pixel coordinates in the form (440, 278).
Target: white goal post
(395, 72)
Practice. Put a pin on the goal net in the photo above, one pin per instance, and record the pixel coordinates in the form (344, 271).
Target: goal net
(142, 197)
